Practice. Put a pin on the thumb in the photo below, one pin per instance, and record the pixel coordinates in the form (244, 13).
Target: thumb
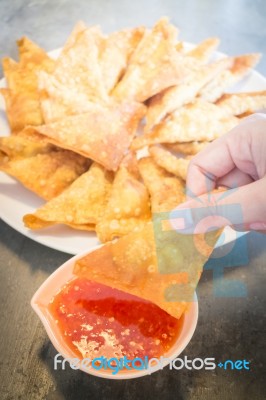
(244, 206)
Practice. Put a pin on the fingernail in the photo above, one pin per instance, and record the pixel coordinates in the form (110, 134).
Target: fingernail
(258, 226)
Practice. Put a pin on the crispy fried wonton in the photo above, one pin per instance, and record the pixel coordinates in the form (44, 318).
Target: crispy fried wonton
(22, 97)
(104, 134)
(22, 109)
(166, 190)
(200, 121)
(76, 78)
(23, 146)
(128, 206)
(154, 66)
(240, 103)
(189, 148)
(22, 76)
(176, 96)
(241, 66)
(31, 56)
(204, 50)
(171, 163)
(115, 52)
(77, 66)
(46, 174)
(162, 267)
(81, 205)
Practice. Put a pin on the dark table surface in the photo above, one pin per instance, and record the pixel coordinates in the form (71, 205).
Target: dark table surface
(229, 327)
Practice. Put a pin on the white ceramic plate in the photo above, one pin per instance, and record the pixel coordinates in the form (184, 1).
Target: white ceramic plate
(16, 201)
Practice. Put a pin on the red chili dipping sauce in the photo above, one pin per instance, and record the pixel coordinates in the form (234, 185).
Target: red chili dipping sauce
(97, 320)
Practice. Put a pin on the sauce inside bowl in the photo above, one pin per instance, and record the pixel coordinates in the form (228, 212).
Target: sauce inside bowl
(97, 320)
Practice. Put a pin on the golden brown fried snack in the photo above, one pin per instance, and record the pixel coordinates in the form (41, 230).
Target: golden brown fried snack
(22, 98)
(241, 103)
(31, 56)
(80, 206)
(128, 206)
(166, 190)
(179, 46)
(165, 159)
(47, 174)
(8, 65)
(22, 146)
(189, 148)
(199, 121)
(241, 67)
(76, 82)
(203, 51)
(30, 133)
(150, 266)
(59, 102)
(154, 66)
(115, 52)
(22, 109)
(103, 135)
(22, 76)
(77, 67)
(175, 97)
(79, 27)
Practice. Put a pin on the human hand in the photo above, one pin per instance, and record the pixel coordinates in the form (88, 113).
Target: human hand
(237, 161)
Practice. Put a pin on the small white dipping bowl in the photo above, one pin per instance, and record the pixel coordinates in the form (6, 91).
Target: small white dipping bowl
(40, 304)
